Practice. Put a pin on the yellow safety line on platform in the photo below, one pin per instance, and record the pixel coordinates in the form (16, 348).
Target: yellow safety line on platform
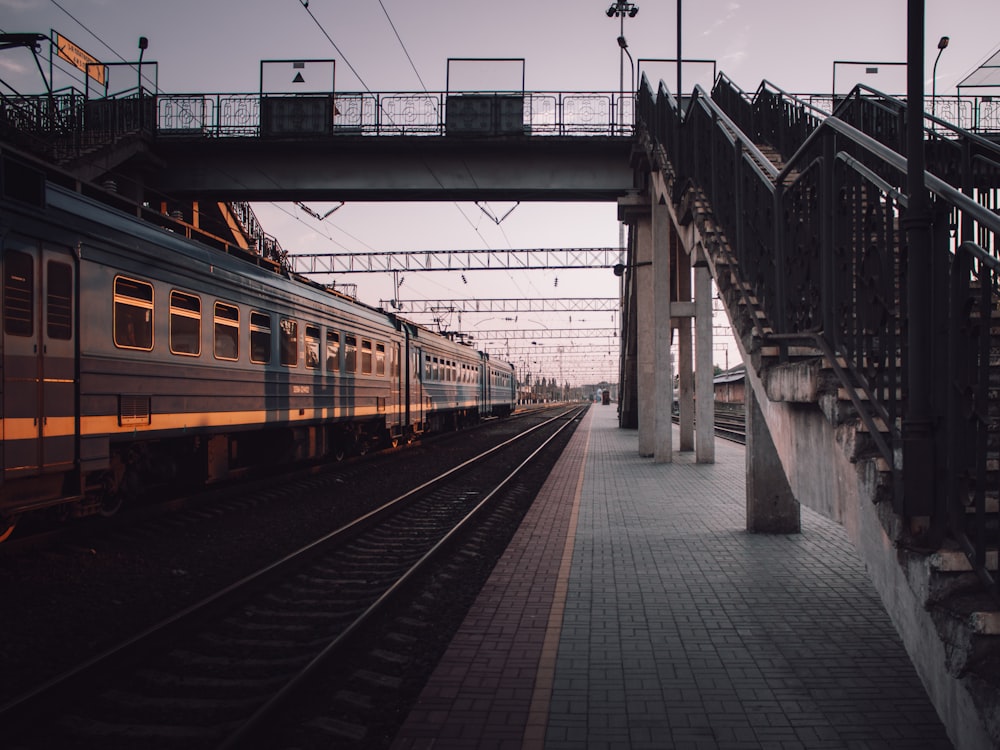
(538, 713)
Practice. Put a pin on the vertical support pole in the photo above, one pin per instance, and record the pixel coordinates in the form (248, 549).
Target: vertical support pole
(685, 346)
(704, 388)
(628, 399)
(771, 506)
(663, 328)
(646, 334)
(918, 445)
(685, 354)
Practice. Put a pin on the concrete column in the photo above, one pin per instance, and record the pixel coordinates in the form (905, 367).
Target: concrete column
(685, 352)
(685, 349)
(704, 367)
(771, 507)
(663, 446)
(646, 334)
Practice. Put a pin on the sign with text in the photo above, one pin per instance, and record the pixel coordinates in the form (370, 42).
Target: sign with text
(80, 59)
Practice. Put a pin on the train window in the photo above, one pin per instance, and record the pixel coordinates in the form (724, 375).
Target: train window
(380, 359)
(185, 324)
(133, 325)
(59, 301)
(227, 331)
(312, 347)
(350, 353)
(366, 357)
(19, 294)
(332, 351)
(289, 330)
(260, 337)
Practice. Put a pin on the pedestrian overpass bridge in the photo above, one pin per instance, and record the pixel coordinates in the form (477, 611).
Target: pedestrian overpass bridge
(859, 267)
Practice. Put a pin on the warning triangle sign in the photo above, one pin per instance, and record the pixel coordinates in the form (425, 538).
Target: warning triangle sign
(298, 78)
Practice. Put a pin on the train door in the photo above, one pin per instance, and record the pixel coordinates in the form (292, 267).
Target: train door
(39, 365)
(417, 406)
(485, 386)
(396, 406)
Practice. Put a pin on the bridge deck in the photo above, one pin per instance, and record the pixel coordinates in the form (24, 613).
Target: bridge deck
(634, 610)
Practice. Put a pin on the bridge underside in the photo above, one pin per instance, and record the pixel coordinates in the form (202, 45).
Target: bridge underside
(577, 169)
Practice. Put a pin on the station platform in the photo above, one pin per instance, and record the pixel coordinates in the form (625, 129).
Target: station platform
(634, 610)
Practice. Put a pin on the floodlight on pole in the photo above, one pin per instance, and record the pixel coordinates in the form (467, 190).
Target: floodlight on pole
(620, 9)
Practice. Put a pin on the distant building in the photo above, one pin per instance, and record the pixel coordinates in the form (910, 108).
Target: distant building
(730, 386)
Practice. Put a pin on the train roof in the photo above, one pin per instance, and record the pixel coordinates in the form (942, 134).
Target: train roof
(26, 181)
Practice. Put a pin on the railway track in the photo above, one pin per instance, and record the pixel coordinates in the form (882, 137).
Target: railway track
(218, 673)
(34, 536)
(730, 424)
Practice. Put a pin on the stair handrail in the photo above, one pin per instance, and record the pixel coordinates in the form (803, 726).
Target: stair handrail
(934, 184)
(866, 147)
(967, 425)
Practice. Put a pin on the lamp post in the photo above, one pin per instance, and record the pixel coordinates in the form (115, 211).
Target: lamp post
(631, 63)
(143, 45)
(620, 9)
(942, 43)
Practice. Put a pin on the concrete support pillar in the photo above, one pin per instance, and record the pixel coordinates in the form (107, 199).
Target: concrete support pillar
(685, 396)
(645, 334)
(685, 348)
(663, 448)
(771, 507)
(704, 367)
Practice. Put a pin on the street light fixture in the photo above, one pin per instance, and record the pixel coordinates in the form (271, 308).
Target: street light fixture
(942, 44)
(624, 45)
(143, 46)
(620, 9)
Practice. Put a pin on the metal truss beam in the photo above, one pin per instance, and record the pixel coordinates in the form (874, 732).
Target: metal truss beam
(457, 260)
(551, 304)
(542, 333)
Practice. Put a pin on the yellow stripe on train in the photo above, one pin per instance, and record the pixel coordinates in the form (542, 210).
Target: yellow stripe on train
(109, 423)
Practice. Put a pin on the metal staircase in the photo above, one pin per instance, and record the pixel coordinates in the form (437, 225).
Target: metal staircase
(804, 216)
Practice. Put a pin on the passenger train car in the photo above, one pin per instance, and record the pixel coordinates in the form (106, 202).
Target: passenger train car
(133, 357)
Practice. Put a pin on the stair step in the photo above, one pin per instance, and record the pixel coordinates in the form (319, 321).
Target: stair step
(955, 561)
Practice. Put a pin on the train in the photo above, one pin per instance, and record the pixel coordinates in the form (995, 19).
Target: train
(136, 357)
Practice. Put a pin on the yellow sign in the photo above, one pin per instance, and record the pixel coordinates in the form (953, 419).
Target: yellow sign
(82, 60)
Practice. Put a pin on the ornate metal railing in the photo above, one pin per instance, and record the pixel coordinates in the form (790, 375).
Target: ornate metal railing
(237, 115)
(820, 246)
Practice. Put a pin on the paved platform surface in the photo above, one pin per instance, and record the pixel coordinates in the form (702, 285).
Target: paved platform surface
(633, 610)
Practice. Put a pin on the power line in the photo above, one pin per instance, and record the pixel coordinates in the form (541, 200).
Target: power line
(400, 39)
(84, 27)
(305, 5)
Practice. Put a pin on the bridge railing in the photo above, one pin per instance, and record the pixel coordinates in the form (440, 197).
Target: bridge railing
(241, 115)
(820, 246)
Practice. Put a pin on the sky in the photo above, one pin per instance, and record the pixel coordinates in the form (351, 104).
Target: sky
(567, 45)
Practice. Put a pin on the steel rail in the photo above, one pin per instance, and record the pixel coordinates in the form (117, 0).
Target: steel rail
(244, 736)
(18, 714)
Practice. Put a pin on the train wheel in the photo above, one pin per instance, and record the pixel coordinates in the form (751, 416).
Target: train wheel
(363, 448)
(339, 453)
(111, 503)
(7, 527)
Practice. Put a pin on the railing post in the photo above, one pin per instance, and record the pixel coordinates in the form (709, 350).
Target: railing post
(780, 296)
(941, 311)
(826, 223)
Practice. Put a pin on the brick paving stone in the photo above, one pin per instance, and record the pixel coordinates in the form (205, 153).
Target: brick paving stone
(671, 627)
